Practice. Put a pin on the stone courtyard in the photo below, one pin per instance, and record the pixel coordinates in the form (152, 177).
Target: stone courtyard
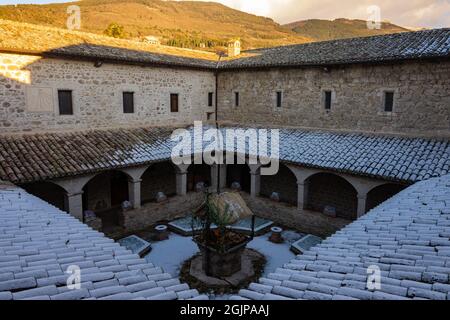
(86, 140)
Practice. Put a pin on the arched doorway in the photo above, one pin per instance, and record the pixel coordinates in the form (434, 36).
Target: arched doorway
(49, 192)
(284, 183)
(198, 173)
(327, 189)
(380, 194)
(159, 177)
(104, 195)
(239, 173)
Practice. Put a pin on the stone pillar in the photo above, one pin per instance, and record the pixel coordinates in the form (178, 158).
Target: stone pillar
(75, 205)
(255, 184)
(214, 180)
(134, 192)
(182, 183)
(302, 194)
(223, 176)
(362, 199)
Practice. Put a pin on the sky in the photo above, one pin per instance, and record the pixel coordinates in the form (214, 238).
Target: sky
(407, 13)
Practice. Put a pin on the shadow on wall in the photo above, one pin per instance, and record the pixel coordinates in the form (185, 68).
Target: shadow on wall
(327, 189)
(284, 183)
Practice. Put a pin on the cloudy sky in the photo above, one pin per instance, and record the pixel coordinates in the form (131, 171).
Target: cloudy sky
(409, 13)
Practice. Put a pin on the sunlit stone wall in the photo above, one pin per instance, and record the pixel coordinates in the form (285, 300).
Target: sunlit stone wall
(29, 90)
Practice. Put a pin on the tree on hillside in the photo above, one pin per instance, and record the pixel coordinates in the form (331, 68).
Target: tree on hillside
(115, 30)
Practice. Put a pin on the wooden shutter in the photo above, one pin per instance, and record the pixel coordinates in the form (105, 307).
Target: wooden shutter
(174, 102)
(389, 101)
(128, 102)
(65, 102)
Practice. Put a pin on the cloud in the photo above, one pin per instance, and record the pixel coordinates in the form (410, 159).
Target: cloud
(410, 13)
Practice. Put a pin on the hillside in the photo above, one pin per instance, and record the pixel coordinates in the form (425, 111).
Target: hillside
(322, 30)
(184, 24)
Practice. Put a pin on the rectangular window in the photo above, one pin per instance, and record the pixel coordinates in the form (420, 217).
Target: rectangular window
(210, 99)
(388, 101)
(174, 102)
(65, 102)
(327, 100)
(128, 102)
(236, 99)
(279, 99)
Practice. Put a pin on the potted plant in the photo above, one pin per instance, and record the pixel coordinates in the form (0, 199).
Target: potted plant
(222, 248)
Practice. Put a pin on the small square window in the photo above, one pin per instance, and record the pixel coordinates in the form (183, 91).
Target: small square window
(236, 99)
(65, 102)
(327, 99)
(174, 102)
(210, 99)
(279, 99)
(388, 101)
(128, 102)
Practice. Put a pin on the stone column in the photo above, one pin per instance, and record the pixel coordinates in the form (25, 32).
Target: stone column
(255, 184)
(134, 192)
(223, 176)
(362, 199)
(182, 183)
(75, 204)
(302, 194)
(214, 180)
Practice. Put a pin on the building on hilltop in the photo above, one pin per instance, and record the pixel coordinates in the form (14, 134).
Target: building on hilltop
(234, 48)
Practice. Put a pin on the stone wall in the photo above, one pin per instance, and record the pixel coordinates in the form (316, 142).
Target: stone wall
(421, 105)
(97, 193)
(289, 216)
(326, 189)
(382, 193)
(152, 213)
(49, 192)
(29, 84)
(284, 182)
(160, 177)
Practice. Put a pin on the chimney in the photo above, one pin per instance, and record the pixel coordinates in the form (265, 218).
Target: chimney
(234, 48)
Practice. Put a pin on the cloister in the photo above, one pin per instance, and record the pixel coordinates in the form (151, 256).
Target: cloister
(304, 189)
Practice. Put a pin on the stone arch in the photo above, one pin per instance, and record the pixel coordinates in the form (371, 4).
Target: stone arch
(159, 177)
(381, 193)
(110, 187)
(284, 183)
(239, 173)
(49, 192)
(198, 173)
(328, 189)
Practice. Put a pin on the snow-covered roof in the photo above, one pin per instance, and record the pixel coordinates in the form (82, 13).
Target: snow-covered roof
(39, 242)
(424, 44)
(35, 157)
(407, 238)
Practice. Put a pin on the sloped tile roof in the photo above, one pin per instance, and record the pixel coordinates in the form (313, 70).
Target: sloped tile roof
(407, 238)
(387, 157)
(34, 157)
(56, 42)
(28, 158)
(39, 242)
(393, 47)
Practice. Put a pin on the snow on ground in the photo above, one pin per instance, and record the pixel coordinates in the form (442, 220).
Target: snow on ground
(171, 254)
(276, 254)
